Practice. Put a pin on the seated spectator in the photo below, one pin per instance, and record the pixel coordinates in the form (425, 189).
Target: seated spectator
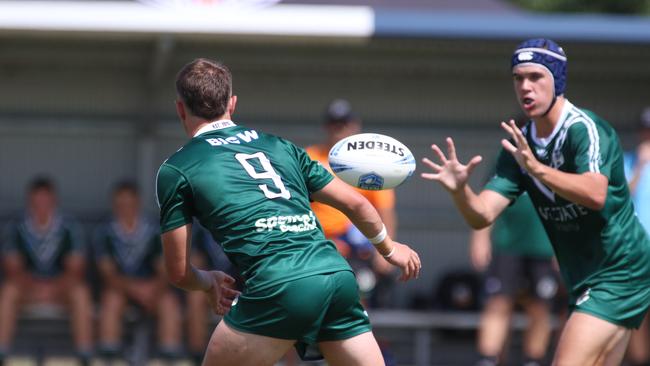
(207, 255)
(129, 259)
(44, 263)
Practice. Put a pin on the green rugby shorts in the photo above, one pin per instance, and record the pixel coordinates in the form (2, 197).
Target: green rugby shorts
(323, 307)
(621, 305)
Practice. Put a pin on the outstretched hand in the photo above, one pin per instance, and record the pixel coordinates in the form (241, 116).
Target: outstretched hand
(450, 173)
(521, 151)
(221, 294)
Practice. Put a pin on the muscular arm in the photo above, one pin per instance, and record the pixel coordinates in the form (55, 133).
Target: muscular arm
(389, 218)
(356, 207)
(480, 210)
(586, 189)
(176, 252)
(364, 216)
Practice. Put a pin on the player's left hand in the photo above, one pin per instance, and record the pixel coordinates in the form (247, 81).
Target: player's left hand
(521, 151)
(221, 294)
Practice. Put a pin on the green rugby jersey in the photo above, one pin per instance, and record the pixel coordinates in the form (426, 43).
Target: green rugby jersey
(518, 230)
(591, 246)
(251, 191)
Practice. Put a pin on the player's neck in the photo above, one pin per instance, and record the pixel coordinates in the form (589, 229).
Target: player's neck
(545, 125)
(193, 124)
(129, 224)
(42, 223)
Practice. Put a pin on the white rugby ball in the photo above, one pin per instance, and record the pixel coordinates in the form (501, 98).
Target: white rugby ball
(371, 161)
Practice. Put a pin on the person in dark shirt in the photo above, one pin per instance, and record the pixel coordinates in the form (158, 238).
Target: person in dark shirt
(44, 263)
(129, 259)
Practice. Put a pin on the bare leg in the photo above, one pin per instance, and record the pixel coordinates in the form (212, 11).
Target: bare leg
(361, 350)
(495, 325)
(537, 335)
(169, 321)
(587, 340)
(10, 296)
(230, 347)
(197, 318)
(80, 305)
(110, 318)
(617, 352)
(639, 350)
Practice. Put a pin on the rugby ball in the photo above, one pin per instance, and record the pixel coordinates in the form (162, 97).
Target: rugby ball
(371, 161)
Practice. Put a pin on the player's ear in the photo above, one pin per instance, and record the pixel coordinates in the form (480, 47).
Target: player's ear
(232, 104)
(180, 110)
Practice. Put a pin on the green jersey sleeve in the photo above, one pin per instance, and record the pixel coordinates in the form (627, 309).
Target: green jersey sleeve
(174, 198)
(314, 173)
(589, 146)
(507, 179)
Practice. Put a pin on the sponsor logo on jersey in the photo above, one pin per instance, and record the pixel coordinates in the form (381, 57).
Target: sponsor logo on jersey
(564, 213)
(289, 223)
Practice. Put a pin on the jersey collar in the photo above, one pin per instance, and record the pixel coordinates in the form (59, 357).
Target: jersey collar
(544, 141)
(215, 126)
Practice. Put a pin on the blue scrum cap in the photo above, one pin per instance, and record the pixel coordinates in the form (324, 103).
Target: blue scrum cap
(544, 52)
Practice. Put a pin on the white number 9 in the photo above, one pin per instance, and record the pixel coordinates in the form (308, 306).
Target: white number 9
(267, 173)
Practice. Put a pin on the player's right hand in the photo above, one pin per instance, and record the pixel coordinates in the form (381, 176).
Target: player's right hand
(450, 173)
(407, 260)
(221, 294)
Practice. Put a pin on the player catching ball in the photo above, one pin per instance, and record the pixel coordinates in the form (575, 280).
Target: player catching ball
(252, 191)
(570, 162)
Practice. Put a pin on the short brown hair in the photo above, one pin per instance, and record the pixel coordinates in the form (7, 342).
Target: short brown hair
(41, 183)
(205, 86)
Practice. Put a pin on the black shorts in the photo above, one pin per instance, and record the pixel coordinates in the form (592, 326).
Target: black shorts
(517, 275)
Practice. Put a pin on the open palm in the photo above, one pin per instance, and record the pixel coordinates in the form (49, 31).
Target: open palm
(450, 173)
(520, 150)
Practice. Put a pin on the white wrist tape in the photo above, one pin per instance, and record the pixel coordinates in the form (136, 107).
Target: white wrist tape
(380, 237)
(392, 251)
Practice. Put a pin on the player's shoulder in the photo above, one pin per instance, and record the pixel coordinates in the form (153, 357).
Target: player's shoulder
(582, 119)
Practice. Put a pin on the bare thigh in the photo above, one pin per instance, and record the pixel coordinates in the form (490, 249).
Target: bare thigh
(230, 347)
(588, 340)
(361, 350)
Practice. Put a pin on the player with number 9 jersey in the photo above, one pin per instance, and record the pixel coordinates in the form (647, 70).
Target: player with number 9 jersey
(252, 192)
(253, 186)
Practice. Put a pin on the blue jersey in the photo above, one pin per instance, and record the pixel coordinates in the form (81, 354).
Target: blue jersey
(44, 252)
(134, 253)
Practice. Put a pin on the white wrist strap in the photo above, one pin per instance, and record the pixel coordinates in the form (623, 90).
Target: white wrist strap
(392, 251)
(380, 237)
